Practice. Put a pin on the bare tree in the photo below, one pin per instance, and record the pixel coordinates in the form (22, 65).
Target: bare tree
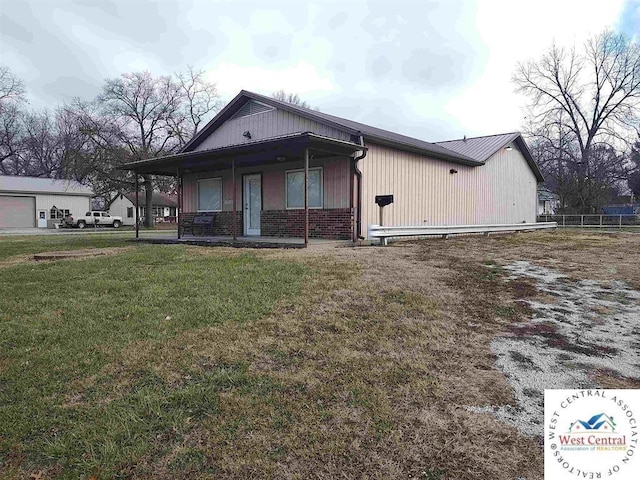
(140, 109)
(292, 98)
(138, 116)
(200, 100)
(584, 106)
(12, 99)
(11, 87)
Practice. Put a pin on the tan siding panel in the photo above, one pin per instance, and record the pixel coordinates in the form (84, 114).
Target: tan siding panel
(425, 193)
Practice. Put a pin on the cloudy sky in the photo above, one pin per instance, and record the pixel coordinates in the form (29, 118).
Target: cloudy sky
(433, 69)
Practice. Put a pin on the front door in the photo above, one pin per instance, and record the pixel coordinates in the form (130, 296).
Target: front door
(252, 197)
(42, 219)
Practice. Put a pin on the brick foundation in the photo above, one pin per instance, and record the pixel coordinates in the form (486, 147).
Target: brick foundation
(222, 223)
(335, 223)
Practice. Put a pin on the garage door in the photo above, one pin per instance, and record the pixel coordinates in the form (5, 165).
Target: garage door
(17, 211)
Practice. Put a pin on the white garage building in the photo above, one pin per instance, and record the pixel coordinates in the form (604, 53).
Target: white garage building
(40, 202)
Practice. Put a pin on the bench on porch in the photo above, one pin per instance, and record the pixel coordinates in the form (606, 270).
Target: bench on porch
(197, 224)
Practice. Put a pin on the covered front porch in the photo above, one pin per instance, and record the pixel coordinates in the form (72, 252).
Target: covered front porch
(284, 191)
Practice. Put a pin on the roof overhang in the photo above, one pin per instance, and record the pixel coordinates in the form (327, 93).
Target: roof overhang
(37, 192)
(522, 145)
(260, 152)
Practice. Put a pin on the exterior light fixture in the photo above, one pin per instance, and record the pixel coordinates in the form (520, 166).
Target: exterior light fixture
(452, 171)
(508, 148)
(280, 158)
(247, 135)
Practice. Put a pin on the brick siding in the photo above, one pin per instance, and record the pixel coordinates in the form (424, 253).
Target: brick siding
(222, 223)
(335, 223)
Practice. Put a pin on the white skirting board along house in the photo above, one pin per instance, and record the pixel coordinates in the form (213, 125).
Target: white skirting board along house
(40, 202)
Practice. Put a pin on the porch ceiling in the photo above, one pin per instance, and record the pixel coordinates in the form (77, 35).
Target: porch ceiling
(250, 154)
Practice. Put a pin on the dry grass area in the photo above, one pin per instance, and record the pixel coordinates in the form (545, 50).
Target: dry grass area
(367, 373)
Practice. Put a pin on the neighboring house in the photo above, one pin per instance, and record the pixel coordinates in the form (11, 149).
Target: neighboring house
(246, 169)
(164, 207)
(40, 202)
(548, 201)
(622, 205)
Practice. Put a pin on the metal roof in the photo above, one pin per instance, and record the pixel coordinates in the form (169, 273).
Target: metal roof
(261, 151)
(49, 186)
(158, 199)
(355, 128)
(481, 148)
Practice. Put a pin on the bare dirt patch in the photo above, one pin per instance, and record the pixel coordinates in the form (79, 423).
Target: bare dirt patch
(76, 254)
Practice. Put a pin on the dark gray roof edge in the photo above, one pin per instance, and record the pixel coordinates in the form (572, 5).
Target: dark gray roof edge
(40, 192)
(480, 136)
(522, 145)
(402, 141)
(180, 155)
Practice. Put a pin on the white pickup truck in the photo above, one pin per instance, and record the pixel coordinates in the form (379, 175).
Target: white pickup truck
(95, 218)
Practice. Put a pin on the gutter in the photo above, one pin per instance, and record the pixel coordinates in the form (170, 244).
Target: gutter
(358, 174)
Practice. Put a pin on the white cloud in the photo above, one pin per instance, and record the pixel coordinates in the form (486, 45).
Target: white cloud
(301, 78)
(514, 32)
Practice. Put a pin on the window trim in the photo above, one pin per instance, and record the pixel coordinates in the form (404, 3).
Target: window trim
(286, 188)
(221, 194)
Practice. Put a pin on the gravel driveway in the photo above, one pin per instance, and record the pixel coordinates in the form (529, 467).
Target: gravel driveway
(586, 328)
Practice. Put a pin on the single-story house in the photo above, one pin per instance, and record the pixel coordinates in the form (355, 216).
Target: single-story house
(164, 207)
(548, 202)
(40, 202)
(266, 167)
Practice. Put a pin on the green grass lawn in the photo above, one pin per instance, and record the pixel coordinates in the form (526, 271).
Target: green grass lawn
(71, 403)
(22, 245)
(180, 362)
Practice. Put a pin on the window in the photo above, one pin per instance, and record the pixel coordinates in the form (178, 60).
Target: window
(129, 212)
(210, 195)
(295, 188)
(96, 214)
(56, 213)
(158, 211)
(104, 214)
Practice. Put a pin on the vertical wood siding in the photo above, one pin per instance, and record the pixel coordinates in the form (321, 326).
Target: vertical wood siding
(425, 193)
(336, 184)
(266, 125)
